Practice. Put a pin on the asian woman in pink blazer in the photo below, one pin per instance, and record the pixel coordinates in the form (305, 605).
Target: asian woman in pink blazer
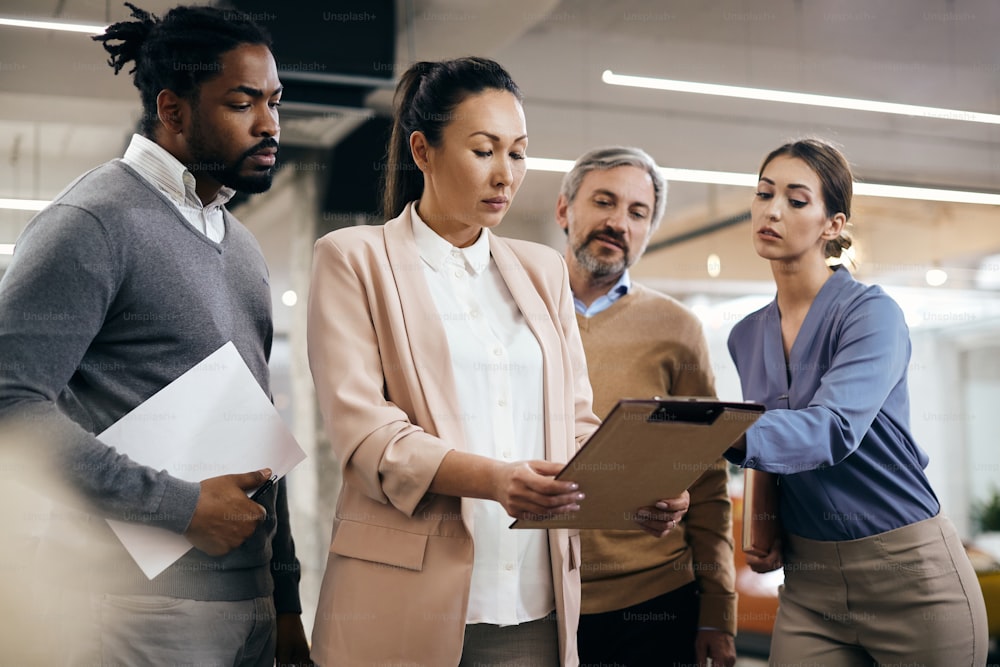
(452, 382)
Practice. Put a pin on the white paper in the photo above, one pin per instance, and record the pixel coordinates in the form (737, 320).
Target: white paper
(213, 420)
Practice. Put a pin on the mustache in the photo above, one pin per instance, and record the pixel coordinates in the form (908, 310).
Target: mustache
(269, 142)
(609, 234)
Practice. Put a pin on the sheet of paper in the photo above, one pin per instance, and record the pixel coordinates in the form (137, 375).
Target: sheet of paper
(212, 420)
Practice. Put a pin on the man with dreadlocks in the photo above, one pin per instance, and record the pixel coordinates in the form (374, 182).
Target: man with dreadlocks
(134, 274)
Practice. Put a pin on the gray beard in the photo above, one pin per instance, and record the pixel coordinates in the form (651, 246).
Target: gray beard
(597, 267)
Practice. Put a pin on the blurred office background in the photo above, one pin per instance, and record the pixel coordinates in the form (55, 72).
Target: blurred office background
(937, 253)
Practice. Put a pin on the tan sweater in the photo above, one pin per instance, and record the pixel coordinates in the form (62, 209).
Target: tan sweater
(648, 344)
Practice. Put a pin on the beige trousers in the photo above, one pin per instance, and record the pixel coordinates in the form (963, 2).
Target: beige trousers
(905, 598)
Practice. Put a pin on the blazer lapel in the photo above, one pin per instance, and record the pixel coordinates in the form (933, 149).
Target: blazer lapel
(540, 321)
(424, 332)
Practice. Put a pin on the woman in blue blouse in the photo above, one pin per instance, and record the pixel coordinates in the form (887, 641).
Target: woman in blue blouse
(874, 574)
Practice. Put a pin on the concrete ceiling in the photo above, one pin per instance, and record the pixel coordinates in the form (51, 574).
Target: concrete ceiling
(62, 111)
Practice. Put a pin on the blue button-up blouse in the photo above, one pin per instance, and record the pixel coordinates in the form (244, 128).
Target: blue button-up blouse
(837, 427)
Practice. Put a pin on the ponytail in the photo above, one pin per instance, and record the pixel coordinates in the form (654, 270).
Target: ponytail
(130, 35)
(836, 247)
(403, 180)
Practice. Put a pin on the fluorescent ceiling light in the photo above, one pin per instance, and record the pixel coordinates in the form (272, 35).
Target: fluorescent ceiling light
(24, 204)
(750, 180)
(797, 98)
(671, 174)
(6, 248)
(550, 164)
(89, 28)
(699, 176)
(926, 194)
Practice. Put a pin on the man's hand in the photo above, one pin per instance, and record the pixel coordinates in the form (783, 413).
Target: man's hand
(772, 561)
(717, 645)
(660, 519)
(224, 517)
(291, 648)
(527, 490)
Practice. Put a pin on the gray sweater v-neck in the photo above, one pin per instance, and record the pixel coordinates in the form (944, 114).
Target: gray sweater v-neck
(110, 296)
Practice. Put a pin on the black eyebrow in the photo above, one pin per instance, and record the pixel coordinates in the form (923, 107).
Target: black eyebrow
(495, 138)
(255, 92)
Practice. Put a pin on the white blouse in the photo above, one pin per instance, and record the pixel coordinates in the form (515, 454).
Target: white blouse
(497, 366)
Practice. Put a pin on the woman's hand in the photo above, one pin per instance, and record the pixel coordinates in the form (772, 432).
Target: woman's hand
(527, 490)
(772, 561)
(661, 518)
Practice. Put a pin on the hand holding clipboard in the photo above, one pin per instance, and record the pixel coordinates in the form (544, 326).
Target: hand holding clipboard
(644, 451)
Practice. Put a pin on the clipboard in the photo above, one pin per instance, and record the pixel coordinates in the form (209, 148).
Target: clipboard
(644, 451)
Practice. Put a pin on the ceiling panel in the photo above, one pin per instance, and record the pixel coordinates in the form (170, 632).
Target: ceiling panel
(62, 111)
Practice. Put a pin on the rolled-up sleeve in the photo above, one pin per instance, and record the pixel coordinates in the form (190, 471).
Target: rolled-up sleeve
(380, 451)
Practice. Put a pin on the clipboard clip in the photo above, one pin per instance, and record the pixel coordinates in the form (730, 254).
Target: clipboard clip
(688, 412)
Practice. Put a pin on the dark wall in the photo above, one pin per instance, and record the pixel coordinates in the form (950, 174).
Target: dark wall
(340, 37)
(357, 169)
(353, 38)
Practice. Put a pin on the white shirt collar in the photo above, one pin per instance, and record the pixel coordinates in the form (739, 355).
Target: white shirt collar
(435, 250)
(167, 173)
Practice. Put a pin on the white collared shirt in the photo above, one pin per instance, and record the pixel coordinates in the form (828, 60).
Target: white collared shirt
(168, 175)
(497, 366)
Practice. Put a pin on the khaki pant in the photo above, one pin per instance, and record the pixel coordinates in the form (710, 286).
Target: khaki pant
(905, 598)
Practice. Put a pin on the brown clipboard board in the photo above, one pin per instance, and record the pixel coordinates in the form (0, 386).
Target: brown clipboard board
(644, 451)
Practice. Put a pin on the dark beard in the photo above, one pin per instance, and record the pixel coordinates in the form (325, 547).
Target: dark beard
(257, 182)
(208, 163)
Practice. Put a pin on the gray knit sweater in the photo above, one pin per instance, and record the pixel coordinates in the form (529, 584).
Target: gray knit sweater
(110, 296)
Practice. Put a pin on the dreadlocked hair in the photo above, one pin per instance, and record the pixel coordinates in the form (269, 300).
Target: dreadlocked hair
(178, 52)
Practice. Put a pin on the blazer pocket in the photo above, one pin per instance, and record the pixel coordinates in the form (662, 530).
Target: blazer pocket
(380, 545)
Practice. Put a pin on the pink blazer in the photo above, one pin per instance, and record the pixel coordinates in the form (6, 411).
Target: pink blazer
(396, 585)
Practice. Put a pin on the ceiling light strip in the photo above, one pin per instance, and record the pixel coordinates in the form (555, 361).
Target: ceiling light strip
(24, 204)
(700, 176)
(750, 180)
(713, 177)
(6, 248)
(89, 28)
(926, 194)
(789, 97)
